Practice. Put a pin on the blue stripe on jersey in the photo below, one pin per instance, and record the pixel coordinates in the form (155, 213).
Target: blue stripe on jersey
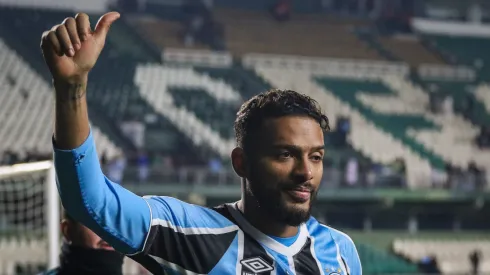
(324, 245)
(227, 263)
(281, 262)
(112, 212)
(185, 215)
(348, 251)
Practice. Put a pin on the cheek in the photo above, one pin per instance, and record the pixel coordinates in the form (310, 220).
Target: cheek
(271, 172)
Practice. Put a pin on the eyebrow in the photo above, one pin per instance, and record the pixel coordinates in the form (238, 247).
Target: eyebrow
(297, 148)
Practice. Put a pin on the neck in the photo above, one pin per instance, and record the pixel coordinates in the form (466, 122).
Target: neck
(262, 221)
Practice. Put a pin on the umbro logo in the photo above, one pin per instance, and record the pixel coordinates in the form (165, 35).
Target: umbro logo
(255, 265)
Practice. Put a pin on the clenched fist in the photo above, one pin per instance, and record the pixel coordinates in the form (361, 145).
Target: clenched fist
(71, 49)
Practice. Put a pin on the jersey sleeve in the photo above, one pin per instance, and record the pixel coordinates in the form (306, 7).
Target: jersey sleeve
(185, 237)
(153, 230)
(348, 253)
(117, 215)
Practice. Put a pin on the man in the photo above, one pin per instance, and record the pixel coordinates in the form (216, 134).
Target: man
(85, 253)
(280, 147)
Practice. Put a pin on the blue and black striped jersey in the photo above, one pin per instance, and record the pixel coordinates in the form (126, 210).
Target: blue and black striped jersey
(168, 236)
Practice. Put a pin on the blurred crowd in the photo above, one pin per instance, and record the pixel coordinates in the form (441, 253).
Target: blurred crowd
(430, 265)
(9, 157)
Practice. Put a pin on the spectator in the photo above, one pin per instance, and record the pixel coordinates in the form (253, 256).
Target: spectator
(483, 139)
(475, 258)
(115, 168)
(143, 162)
(428, 265)
(83, 252)
(351, 172)
(281, 11)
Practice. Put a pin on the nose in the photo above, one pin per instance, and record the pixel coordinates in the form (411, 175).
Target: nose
(302, 171)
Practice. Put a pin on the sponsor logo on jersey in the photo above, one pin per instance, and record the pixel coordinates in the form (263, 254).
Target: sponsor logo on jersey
(255, 265)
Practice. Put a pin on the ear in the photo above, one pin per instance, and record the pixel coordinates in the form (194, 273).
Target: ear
(238, 161)
(66, 230)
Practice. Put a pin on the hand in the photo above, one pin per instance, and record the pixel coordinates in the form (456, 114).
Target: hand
(71, 49)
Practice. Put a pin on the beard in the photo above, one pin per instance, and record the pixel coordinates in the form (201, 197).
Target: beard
(271, 200)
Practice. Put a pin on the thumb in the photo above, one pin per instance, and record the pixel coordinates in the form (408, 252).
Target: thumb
(104, 24)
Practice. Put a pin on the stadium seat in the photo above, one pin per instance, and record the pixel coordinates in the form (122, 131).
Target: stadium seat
(410, 50)
(376, 261)
(452, 255)
(389, 114)
(26, 110)
(262, 35)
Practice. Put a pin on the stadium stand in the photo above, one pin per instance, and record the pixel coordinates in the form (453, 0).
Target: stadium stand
(462, 50)
(410, 50)
(153, 81)
(387, 101)
(188, 99)
(400, 120)
(162, 33)
(25, 114)
(452, 255)
(121, 56)
(377, 261)
(263, 35)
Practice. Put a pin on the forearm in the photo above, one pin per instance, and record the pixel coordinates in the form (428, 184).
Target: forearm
(71, 117)
(114, 213)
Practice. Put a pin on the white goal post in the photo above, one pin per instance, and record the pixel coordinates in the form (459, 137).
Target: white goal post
(29, 216)
(30, 209)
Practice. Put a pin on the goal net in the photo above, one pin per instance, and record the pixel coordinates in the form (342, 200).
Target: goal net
(29, 218)
(30, 238)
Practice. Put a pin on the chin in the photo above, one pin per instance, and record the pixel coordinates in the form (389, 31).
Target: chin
(294, 213)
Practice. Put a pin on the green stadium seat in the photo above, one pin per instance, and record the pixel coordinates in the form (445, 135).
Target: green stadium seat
(394, 124)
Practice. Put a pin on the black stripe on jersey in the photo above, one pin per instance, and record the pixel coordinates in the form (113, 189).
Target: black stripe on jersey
(223, 211)
(143, 259)
(345, 265)
(150, 264)
(255, 258)
(304, 262)
(198, 253)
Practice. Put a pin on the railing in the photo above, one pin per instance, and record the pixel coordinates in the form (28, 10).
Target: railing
(333, 178)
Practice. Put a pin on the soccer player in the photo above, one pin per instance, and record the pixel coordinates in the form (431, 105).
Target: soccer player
(280, 147)
(85, 253)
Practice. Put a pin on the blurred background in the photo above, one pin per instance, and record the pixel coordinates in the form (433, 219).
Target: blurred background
(404, 83)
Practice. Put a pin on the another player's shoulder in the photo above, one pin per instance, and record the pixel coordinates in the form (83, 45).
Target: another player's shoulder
(341, 239)
(167, 210)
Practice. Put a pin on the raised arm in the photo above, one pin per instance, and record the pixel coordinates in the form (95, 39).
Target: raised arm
(120, 217)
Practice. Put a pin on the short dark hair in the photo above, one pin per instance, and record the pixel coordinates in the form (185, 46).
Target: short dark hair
(66, 216)
(274, 104)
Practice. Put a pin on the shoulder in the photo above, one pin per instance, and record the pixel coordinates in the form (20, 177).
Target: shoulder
(341, 239)
(179, 213)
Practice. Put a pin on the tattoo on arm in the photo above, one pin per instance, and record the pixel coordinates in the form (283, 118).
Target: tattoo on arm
(71, 93)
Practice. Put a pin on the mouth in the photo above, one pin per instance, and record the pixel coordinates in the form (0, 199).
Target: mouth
(300, 195)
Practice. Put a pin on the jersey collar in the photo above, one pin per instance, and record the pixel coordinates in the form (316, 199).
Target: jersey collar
(266, 240)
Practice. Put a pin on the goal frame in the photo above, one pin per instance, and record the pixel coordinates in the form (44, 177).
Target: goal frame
(51, 204)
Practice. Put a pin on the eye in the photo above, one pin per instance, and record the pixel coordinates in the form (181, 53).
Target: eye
(285, 155)
(317, 158)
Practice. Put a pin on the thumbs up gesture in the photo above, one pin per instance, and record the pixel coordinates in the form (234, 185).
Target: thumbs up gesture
(71, 49)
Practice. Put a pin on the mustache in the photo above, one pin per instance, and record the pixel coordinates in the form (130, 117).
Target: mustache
(305, 186)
